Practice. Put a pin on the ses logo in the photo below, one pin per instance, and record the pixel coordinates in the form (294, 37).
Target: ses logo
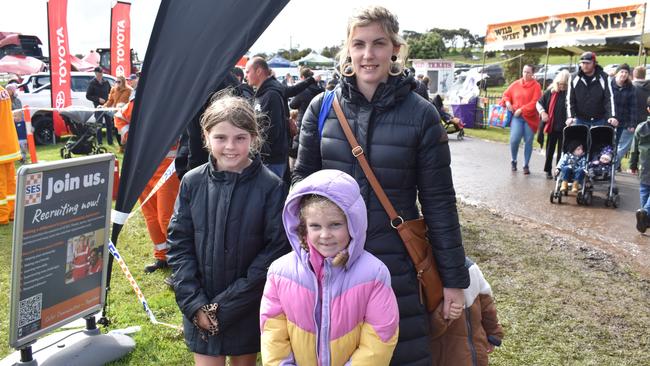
(33, 189)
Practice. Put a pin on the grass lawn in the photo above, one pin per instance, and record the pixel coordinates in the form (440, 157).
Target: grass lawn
(560, 302)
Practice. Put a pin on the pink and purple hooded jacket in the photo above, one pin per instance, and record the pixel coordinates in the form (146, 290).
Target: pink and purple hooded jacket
(358, 310)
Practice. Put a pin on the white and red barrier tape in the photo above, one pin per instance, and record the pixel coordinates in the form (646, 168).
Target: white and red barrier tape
(136, 288)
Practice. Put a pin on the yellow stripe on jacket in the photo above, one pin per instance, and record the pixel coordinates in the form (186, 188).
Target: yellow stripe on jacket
(9, 148)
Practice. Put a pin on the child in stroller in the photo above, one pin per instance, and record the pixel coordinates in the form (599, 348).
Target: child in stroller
(600, 164)
(573, 163)
(603, 150)
(452, 124)
(84, 140)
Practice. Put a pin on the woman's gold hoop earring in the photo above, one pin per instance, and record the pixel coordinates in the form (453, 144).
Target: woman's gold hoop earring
(347, 65)
(395, 69)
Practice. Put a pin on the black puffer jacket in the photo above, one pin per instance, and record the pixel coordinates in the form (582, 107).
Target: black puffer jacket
(406, 145)
(225, 232)
(625, 102)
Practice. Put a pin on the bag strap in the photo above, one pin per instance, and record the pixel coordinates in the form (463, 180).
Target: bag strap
(357, 152)
(324, 110)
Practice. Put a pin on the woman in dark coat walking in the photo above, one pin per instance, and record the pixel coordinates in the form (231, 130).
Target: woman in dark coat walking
(552, 109)
(225, 232)
(407, 149)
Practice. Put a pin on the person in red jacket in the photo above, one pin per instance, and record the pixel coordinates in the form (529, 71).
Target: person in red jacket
(521, 98)
(158, 209)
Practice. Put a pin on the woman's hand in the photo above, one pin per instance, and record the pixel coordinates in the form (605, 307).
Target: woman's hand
(452, 296)
(517, 112)
(509, 107)
(544, 116)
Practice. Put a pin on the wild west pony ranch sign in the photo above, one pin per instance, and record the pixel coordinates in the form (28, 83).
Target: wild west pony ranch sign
(595, 27)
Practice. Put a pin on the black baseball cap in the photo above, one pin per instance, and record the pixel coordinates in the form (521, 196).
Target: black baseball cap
(588, 57)
(98, 69)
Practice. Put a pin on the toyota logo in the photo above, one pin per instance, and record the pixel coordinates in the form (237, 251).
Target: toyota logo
(59, 101)
(119, 70)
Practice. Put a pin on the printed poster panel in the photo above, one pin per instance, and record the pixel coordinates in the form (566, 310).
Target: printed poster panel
(60, 244)
(589, 27)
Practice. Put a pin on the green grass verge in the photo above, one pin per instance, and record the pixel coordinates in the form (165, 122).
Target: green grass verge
(490, 133)
(560, 302)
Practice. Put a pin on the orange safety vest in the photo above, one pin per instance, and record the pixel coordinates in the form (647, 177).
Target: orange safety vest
(9, 147)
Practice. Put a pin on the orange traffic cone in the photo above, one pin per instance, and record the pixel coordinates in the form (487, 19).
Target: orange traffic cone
(30, 135)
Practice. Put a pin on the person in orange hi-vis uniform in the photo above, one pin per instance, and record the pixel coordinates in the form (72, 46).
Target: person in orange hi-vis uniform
(9, 152)
(158, 209)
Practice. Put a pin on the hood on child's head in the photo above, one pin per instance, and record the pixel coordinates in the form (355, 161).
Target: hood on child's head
(573, 145)
(342, 190)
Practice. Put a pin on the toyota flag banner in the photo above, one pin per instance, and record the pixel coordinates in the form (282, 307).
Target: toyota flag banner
(121, 39)
(57, 11)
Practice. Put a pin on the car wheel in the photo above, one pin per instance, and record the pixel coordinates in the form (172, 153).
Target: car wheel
(43, 130)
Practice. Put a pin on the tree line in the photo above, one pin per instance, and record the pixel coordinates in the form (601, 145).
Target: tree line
(435, 43)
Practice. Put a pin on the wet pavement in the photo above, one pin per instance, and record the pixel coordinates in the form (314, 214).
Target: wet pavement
(482, 176)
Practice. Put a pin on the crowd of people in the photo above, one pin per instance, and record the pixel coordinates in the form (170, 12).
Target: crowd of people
(589, 98)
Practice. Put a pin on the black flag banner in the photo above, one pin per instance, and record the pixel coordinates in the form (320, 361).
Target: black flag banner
(193, 46)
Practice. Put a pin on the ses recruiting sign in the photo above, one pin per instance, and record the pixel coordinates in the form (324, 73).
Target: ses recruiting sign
(60, 244)
(592, 27)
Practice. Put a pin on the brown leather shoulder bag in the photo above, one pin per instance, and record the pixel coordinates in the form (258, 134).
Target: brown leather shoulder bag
(412, 232)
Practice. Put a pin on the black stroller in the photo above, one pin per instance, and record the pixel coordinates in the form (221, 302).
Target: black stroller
(601, 137)
(447, 119)
(571, 134)
(84, 139)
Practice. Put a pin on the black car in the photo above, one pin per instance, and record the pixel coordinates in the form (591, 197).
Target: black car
(494, 75)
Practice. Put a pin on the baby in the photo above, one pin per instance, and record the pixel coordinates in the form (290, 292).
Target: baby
(601, 164)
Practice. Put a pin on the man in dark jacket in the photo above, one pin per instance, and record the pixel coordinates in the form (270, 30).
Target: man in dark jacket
(271, 101)
(590, 100)
(97, 92)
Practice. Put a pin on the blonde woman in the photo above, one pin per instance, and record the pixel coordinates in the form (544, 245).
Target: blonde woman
(407, 148)
(119, 94)
(552, 109)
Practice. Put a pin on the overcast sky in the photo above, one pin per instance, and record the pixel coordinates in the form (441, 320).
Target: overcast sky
(302, 23)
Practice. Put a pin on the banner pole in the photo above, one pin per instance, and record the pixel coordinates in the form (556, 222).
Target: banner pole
(641, 46)
(548, 49)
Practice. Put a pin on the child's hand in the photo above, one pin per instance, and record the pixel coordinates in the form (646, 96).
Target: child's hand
(455, 311)
(452, 296)
(203, 320)
(490, 347)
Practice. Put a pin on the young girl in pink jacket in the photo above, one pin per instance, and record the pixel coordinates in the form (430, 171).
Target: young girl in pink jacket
(329, 302)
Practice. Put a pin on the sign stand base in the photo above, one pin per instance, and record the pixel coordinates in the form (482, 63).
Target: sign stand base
(73, 348)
